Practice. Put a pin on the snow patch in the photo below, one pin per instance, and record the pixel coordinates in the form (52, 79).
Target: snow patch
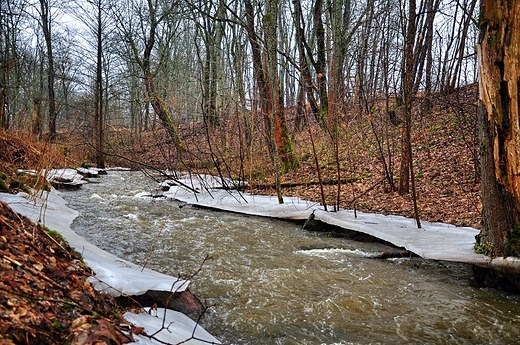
(159, 323)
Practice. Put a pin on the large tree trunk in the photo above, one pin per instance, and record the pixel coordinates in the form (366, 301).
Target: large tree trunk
(153, 95)
(98, 106)
(256, 51)
(321, 63)
(306, 78)
(499, 79)
(46, 26)
(268, 81)
(407, 80)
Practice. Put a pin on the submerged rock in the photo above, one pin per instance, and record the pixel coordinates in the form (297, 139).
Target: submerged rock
(185, 302)
(490, 278)
(312, 224)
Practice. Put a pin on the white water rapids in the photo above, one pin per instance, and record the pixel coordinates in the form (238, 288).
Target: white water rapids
(271, 282)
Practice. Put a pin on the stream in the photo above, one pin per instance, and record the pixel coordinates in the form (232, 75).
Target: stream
(271, 282)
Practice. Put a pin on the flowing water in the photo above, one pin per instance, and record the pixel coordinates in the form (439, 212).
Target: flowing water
(271, 282)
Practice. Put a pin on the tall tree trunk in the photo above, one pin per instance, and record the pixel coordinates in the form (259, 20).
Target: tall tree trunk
(256, 50)
(408, 101)
(270, 19)
(98, 106)
(213, 33)
(5, 66)
(320, 66)
(36, 119)
(149, 80)
(407, 80)
(46, 27)
(462, 44)
(268, 83)
(427, 104)
(4, 85)
(499, 115)
(306, 79)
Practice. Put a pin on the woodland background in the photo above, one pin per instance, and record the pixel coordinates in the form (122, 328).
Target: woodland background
(344, 93)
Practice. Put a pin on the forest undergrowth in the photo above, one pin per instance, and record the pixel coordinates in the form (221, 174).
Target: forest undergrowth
(445, 151)
(444, 142)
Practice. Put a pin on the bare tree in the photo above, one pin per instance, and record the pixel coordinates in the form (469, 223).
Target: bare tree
(95, 15)
(153, 15)
(46, 25)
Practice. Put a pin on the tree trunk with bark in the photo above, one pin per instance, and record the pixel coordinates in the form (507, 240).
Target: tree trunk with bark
(145, 62)
(268, 83)
(407, 80)
(321, 63)
(46, 27)
(98, 106)
(499, 87)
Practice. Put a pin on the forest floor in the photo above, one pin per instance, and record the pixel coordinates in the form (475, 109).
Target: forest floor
(45, 298)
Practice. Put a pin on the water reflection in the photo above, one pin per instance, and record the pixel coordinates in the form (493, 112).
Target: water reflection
(273, 283)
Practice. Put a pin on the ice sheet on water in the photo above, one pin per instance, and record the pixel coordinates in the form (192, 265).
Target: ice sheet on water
(113, 275)
(64, 174)
(432, 241)
(184, 327)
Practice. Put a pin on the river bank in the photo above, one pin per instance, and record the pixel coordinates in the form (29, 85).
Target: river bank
(444, 242)
(45, 293)
(73, 294)
(435, 241)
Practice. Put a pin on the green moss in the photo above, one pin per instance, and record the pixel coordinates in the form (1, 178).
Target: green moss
(57, 326)
(510, 246)
(57, 235)
(3, 186)
(54, 233)
(485, 248)
(513, 242)
(3, 176)
(19, 185)
(493, 41)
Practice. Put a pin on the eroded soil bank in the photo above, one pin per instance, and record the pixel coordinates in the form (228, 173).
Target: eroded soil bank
(45, 296)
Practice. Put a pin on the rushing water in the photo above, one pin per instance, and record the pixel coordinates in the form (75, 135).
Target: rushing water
(271, 282)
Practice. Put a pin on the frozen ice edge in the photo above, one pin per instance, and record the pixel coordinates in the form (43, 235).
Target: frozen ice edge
(435, 241)
(112, 274)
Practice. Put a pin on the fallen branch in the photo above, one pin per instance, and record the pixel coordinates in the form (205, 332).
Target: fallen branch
(325, 181)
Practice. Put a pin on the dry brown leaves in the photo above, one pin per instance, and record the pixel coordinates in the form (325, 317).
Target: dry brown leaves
(44, 295)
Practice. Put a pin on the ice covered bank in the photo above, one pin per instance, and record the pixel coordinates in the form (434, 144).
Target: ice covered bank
(113, 275)
(436, 241)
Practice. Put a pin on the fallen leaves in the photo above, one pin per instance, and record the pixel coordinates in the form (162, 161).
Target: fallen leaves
(88, 330)
(44, 296)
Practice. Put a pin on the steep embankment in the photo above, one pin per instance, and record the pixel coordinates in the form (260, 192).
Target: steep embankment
(45, 296)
